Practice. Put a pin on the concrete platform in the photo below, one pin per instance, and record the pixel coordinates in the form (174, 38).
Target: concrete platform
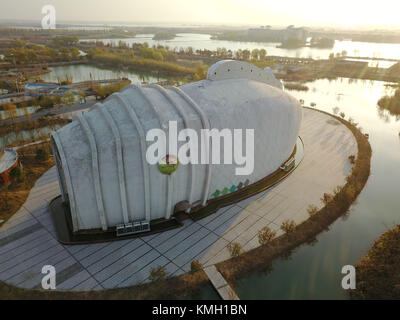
(28, 241)
(224, 290)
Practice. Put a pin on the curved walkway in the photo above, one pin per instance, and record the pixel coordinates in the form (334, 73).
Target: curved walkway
(28, 241)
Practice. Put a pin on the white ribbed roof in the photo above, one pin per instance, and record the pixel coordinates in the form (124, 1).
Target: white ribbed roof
(233, 69)
(103, 152)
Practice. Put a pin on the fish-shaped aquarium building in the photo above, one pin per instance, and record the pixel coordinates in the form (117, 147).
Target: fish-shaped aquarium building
(108, 185)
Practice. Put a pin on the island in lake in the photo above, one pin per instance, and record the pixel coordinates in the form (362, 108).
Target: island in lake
(164, 35)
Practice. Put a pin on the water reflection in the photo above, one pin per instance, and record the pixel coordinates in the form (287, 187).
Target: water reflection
(24, 135)
(18, 112)
(204, 41)
(85, 72)
(314, 272)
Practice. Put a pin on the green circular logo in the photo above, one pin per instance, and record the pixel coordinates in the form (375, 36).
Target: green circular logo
(168, 164)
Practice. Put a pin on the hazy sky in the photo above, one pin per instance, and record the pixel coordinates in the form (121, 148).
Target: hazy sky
(263, 12)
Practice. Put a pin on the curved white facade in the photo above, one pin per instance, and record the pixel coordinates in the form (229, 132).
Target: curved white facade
(101, 155)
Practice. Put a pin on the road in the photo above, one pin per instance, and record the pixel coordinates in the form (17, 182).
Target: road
(54, 112)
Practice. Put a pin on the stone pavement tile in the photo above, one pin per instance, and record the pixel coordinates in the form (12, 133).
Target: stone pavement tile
(237, 229)
(32, 270)
(12, 228)
(11, 254)
(196, 251)
(39, 204)
(88, 284)
(150, 236)
(178, 238)
(46, 189)
(252, 232)
(82, 254)
(15, 259)
(118, 256)
(187, 244)
(73, 249)
(23, 265)
(46, 221)
(121, 259)
(35, 281)
(96, 287)
(41, 211)
(252, 244)
(213, 250)
(214, 215)
(246, 203)
(270, 205)
(142, 276)
(131, 269)
(221, 256)
(21, 241)
(103, 252)
(301, 216)
(260, 202)
(226, 218)
(73, 281)
(289, 214)
(165, 236)
(278, 210)
(178, 272)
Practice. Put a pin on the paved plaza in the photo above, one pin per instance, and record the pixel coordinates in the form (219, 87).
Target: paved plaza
(28, 240)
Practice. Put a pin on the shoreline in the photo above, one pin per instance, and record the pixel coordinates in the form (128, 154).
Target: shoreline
(378, 271)
(251, 261)
(260, 258)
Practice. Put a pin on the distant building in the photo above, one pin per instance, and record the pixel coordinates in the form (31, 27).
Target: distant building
(8, 161)
(277, 35)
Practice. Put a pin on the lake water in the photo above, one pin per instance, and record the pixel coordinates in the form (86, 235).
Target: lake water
(24, 135)
(84, 72)
(314, 272)
(19, 112)
(204, 41)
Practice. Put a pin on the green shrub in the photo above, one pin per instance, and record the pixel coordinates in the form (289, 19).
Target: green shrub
(265, 235)
(235, 249)
(157, 274)
(195, 266)
(288, 226)
(42, 155)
